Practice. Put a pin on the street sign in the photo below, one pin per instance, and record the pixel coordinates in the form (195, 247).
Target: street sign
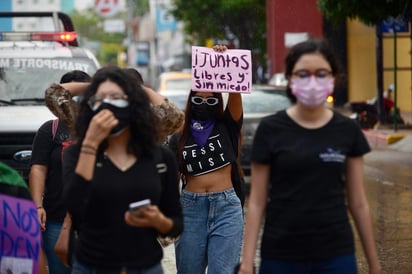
(107, 8)
(164, 20)
(114, 25)
(143, 53)
(395, 24)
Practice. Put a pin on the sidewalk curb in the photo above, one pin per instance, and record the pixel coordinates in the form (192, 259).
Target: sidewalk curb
(394, 137)
(381, 139)
(376, 139)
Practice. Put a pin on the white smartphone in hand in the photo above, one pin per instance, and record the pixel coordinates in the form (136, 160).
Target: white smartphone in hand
(136, 206)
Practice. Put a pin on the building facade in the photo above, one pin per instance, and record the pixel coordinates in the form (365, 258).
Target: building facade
(27, 24)
(290, 21)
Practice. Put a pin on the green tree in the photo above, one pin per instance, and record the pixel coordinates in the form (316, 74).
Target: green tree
(141, 7)
(110, 52)
(245, 20)
(89, 25)
(370, 12)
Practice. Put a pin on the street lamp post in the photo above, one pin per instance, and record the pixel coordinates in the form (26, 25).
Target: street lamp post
(131, 51)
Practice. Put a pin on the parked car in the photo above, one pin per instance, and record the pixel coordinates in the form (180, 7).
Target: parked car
(29, 63)
(175, 86)
(178, 97)
(261, 102)
(176, 80)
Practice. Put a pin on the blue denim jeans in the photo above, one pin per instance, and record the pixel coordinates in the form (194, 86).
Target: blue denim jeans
(212, 234)
(79, 268)
(49, 238)
(345, 264)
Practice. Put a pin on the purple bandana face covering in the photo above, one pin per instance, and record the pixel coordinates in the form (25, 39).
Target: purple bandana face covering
(201, 130)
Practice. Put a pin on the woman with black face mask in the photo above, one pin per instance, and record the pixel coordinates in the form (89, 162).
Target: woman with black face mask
(207, 153)
(115, 162)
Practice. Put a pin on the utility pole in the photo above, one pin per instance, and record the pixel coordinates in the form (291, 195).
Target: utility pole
(379, 73)
(131, 48)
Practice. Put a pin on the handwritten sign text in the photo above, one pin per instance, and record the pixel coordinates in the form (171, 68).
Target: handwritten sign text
(19, 231)
(229, 71)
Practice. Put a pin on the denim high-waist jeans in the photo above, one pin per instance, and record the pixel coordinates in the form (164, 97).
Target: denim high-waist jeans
(49, 238)
(212, 234)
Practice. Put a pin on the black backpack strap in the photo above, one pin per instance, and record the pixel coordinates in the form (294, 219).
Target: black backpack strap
(161, 165)
(238, 182)
(238, 179)
(173, 144)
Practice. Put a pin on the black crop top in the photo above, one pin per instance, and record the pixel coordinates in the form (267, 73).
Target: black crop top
(218, 150)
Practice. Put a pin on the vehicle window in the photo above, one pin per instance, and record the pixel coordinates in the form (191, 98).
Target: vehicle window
(179, 100)
(27, 78)
(261, 102)
(34, 23)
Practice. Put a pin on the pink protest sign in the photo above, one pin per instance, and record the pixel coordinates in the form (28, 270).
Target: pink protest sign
(19, 235)
(228, 71)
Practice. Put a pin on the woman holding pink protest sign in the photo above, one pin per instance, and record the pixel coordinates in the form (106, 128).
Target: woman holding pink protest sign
(207, 151)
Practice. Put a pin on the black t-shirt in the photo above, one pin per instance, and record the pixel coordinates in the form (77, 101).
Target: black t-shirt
(47, 151)
(306, 216)
(98, 207)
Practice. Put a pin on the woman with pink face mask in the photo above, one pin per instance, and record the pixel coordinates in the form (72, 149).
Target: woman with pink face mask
(307, 161)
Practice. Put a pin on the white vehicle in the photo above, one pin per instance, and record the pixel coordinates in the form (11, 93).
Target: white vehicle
(29, 63)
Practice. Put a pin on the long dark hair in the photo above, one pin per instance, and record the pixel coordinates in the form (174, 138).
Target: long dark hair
(75, 76)
(143, 121)
(186, 132)
(312, 45)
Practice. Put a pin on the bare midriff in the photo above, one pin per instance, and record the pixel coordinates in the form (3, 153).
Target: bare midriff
(215, 181)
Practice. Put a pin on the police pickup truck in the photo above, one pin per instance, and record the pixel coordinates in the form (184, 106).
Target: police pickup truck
(29, 63)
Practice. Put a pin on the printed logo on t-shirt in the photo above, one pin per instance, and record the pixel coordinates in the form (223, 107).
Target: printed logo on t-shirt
(332, 155)
(200, 160)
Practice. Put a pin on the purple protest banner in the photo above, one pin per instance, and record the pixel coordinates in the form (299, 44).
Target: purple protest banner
(19, 235)
(228, 71)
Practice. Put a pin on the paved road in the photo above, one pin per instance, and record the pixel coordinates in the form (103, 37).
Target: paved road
(388, 181)
(168, 261)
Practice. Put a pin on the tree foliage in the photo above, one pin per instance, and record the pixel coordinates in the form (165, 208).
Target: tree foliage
(89, 27)
(243, 20)
(141, 7)
(370, 12)
(88, 24)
